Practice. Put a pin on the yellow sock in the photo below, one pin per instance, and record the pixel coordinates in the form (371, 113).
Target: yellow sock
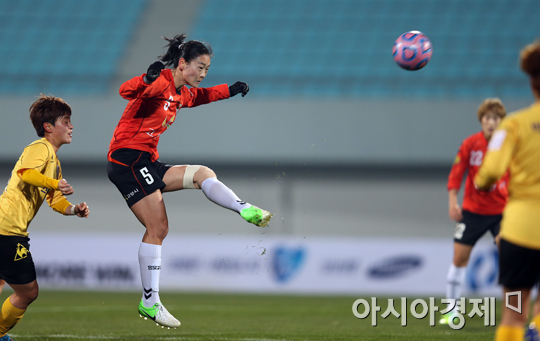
(509, 333)
(9, 317)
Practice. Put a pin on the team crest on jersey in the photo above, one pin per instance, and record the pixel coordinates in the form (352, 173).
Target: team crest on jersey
(21, 253)
(166, 124)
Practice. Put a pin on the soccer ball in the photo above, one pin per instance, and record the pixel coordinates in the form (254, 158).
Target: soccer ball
(412, 50)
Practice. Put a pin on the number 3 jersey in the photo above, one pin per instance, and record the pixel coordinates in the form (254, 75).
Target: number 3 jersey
(469, 159)
(152, 108)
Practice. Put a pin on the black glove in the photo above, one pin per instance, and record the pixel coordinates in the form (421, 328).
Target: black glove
(238, 87)
(153, 72)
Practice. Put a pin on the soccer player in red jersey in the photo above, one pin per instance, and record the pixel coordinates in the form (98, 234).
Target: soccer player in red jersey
(482, 211)
(154, 101)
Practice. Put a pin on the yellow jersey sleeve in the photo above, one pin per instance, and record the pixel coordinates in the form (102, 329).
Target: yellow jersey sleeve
(33, 177)
(56, 200)
(497, 159)
(35, 156)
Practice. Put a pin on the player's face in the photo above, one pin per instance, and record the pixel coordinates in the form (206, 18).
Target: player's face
(490, 122)
(195, 71)
(62, 130)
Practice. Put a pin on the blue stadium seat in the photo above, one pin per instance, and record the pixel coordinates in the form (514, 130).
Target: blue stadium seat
(328, 48)
(63, 46)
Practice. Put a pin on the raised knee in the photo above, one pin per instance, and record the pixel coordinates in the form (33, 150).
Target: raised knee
(202, 174)
(207, 172)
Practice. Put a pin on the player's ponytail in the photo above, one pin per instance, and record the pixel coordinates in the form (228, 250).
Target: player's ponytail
(530, 63)
(178, 48)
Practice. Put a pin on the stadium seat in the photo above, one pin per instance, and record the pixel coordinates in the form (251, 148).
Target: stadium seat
(344, 47)
(63, 46)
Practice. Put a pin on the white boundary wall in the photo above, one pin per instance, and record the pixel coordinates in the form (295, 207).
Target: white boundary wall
(259, 264)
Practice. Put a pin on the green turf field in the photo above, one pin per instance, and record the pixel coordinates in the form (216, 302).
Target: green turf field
(69, 315)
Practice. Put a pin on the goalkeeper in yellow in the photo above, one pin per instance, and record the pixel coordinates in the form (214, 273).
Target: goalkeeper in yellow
(37, 176)
(516, 146)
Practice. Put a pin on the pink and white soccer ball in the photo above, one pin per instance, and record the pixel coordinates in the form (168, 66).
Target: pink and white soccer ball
(412, 50)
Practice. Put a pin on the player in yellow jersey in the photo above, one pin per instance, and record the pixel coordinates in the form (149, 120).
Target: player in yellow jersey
(516, 146)
(37, 176)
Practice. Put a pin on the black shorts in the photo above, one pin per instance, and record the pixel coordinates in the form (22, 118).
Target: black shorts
(16, 263)
(135, 175)
(519, 267)
(473, 226)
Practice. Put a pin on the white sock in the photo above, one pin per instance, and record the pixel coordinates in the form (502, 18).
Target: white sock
(455, 279)
(150, 265)
(222, 195)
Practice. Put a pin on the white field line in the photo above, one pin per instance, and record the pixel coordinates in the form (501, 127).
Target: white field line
(105, 337)
(82, 309)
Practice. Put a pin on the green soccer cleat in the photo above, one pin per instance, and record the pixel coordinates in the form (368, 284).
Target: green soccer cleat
(158, 314)
(256, 216)
(445, 319)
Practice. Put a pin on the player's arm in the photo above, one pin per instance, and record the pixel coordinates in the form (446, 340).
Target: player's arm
(35, 178)
(207, 95)
(58, 202)
(455, 178)
(454, 209)
(144, 86)
(33, 162)
(500, 149)
(62, 205)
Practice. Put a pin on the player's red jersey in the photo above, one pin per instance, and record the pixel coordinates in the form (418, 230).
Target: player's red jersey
(152, 108)
(469, 158)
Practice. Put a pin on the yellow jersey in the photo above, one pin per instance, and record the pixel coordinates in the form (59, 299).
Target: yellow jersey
(515, 145)
(21, 201)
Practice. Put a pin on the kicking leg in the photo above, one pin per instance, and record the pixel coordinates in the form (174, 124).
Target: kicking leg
(202, 177)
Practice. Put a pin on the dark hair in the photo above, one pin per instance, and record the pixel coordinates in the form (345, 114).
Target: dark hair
(47, 109)
(188, 50)
(530, 63)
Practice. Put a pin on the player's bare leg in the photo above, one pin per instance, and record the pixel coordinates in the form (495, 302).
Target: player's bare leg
(24, 294)
(462, 252)
(152, 214)
(204, 178)
(512, 322)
